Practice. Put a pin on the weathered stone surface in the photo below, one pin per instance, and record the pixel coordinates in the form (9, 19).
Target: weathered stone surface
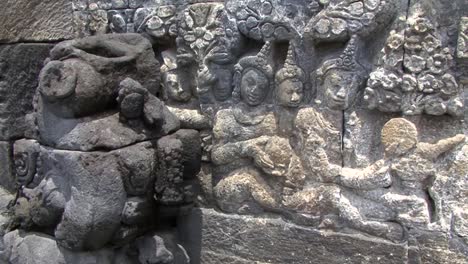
(20, 247)
(436, 247)
(82, 194)
(20, 65)
(245, 239)
(330, 131)
(7, 178)
(153, 250)
(37, 20)
(72, 111)
(462, 48)
(179, 162)
(6, 198)
(93, 197)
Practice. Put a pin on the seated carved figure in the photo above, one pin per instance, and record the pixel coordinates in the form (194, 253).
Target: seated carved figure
(177, 94)
(248, 119)
(398, 183)
(278, 171)
(325, 203)
(238, 137)
(409, 172)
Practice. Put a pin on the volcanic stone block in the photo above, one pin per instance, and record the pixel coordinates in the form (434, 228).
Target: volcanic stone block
(22, 247)
(6, 171)
(81, 195)
(36, 20)
(246, 239)
(19, 68)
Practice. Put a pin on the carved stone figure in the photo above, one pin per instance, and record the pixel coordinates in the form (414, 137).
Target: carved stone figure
(235, 131)
(209, 39)
(323, 203)
(391, 183)
(252, 77)
(341, 78)
(172, 85)
(240, 134)
(290, 81)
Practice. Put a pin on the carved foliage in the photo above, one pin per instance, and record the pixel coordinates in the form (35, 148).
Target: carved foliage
(462, 48)
(206, 34)
(341, 19)
(269, 19)
(159, 23)
(414, 73)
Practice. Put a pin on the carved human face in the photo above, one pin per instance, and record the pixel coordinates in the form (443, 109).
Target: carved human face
(174, 89)
(340, 89)
(254, 87)
(290, 93)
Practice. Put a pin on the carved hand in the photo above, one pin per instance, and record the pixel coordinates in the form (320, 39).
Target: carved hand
(205, 80)
(263, 161)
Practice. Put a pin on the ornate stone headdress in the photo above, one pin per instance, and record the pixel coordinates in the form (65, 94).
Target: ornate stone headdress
(347, 61)
(290, 69)
(262, 62)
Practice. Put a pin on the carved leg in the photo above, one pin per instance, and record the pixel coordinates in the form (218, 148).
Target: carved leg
(355, 219)
(244, 192)
(411, 209)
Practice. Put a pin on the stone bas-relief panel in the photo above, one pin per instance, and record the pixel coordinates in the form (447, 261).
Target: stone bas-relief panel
(336, 124)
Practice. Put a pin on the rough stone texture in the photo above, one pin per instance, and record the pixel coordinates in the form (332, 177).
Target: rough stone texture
(316, 131)
(7, 176)
(82, 195)
(20, 247)
(71, 111)
(6, 199)
(245, 239)
(20, 65)
(36, 21)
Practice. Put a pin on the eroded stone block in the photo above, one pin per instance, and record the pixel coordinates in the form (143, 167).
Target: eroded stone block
(246, 239)
(20, 66)
(7, 179)
(37, 20)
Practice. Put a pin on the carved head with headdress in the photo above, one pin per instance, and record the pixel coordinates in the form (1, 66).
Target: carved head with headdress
(341, 78)
(290, 81)
(171, 82)
(252, 76)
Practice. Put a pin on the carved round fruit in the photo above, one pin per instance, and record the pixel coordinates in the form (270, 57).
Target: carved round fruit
(399, 135)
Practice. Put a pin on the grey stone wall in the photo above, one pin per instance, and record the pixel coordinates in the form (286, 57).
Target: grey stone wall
(236, 131)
